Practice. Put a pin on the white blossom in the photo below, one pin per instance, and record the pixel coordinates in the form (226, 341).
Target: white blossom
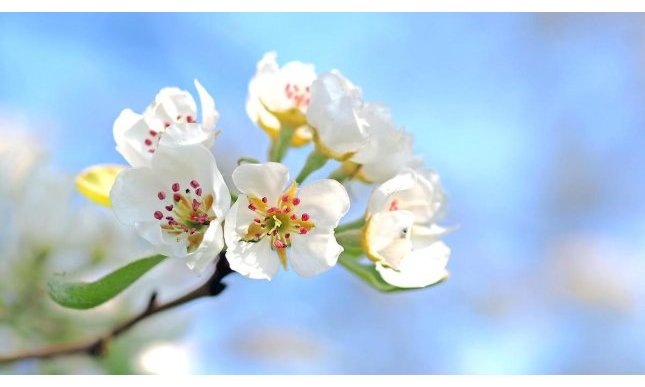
(177, 203)
(401, 235)
(171, 118)
(274, 223)
(335, 113)
(280, 96)
(388, 149)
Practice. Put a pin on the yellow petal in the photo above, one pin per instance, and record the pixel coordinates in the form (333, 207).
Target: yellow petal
(96, 182)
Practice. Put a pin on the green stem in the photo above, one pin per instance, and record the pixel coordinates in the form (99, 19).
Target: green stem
(280, 145)
(339, 175)
(314, 162)
(351, 241)
(358, 223)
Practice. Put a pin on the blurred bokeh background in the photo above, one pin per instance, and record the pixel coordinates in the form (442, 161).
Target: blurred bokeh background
(535, 123)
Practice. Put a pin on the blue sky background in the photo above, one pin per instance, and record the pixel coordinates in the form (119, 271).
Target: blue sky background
(534, 121)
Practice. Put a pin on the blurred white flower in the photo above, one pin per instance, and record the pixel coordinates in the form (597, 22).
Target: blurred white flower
(335, 114)
(177, 203)
(401, 235)
(171, 118)
(164, 358)
(279, 96)
(20, 154)
(388, 150)
(269, 218)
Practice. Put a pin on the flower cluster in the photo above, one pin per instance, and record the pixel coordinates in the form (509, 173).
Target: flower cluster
(175, 197)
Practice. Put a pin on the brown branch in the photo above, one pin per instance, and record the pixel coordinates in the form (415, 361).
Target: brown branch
(98, 346)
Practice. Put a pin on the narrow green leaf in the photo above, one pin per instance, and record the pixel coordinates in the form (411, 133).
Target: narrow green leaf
(369, 274)
(86, 295)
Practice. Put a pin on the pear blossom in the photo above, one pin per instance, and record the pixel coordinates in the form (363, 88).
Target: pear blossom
(177, 203)
(335, 113)
(401, 235)
(275, 223)
(388, 149)
(279, 96)
(172, 117)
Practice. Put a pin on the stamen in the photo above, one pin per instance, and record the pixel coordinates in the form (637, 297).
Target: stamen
(296, 201)
(285, 198)
(148, 142)
(161, 195)
(176, 197)
(196, 205)
(303, 230)
(175, 187)
(158, 215)
(152, 133)
(305, 217)
(293, 217)
(278, 244)
(264, 200)
(198, 191)
(194, 184)
(169, 207)
(252, 207)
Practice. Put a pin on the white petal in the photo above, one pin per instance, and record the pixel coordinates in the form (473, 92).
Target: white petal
(163, 243)
(334, 111)
(314, 252)
(209, 112)
(253, 260)
(326, 201)
(174, 102)
(130, 131)
(186, 134)
(388, 149)
(260, 180)
(182, 164)
(421, 268)
(134, 195)
(416, 191)
(208, 250)
(387, 236)
(380, 198)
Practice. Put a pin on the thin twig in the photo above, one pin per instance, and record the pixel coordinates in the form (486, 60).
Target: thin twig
(98, 346)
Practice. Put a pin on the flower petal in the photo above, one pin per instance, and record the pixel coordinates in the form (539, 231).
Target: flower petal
(261, 180)
(326, 201)
(334, 111)
(253, 260)
(387, 237)
(208, 110)
(208, 250)
(130, 131)
(172, 103)
(132, 195)
(192, 162)
(421, 268)
(314, 252)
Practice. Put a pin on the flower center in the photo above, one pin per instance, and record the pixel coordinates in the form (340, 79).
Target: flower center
(151, 141)
(277, 222)
(185, 213)
(299, 95)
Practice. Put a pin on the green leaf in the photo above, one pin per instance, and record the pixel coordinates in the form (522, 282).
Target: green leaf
(86, 295)
(369, 274)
